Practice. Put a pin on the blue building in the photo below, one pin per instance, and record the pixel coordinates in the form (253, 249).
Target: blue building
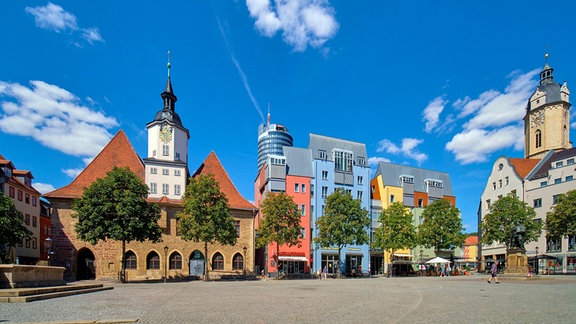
(343, 164)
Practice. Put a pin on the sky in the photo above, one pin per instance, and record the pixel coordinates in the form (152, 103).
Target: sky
(440, 85)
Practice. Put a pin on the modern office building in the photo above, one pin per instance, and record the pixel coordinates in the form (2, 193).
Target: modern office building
(338, 163)
(271, 140)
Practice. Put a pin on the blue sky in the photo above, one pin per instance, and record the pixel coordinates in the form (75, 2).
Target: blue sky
(440, 85)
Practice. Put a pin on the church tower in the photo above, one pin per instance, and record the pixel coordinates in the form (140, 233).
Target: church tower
(547, 119)
(167, 161)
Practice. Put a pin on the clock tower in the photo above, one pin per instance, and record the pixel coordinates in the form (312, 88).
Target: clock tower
(547, 119)
(167, 161)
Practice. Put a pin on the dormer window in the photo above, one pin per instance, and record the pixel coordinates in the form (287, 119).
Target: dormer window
(407, 179)
(343, 160)
(322, 155)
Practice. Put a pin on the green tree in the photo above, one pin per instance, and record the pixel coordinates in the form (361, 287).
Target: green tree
(280, 223)
(505, 214)
(396, 230)
(442, 226)
(206, 215)
(12, 230)
(344, 222)
(115, 207)
(561, 220)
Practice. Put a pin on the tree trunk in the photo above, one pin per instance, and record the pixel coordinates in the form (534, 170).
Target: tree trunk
(339, 270)
(391, 265)
(123, 271)
(206, 278)
(277, 259)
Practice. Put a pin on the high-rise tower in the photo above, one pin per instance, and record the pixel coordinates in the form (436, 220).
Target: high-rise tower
(167, 161)
(271, 139)
(547, 119)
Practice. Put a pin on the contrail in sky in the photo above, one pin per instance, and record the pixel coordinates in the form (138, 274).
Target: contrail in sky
(240, 71)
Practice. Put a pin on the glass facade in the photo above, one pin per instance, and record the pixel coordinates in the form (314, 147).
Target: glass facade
(271, 139)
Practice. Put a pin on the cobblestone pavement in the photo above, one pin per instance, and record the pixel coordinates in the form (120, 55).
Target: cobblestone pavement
(369, 300)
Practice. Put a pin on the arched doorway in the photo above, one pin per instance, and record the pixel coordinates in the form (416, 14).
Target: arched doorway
(197, 263)
(86, 269)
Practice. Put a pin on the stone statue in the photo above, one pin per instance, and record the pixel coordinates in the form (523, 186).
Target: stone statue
(518, 233)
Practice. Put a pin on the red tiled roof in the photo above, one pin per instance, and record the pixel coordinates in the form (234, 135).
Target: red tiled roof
(523, 166)
(471, 240)
(119, 152)
(213, 166)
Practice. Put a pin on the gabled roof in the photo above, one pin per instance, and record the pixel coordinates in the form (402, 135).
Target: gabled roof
(119, 152)
(523, 166)
(213, 166)
(556, 156)
(471, 240)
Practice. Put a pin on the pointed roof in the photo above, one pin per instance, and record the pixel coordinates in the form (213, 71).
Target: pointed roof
(523, 166)
(119, 152)
(471, 240)
(213, 166)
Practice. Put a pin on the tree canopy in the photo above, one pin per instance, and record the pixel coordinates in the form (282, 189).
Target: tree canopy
(280, 223)
(206, 215)
(396, 230)
(505, 214)
(442, 226)
(561, 220)
(12, 229)
(344, 222)
(115, 207)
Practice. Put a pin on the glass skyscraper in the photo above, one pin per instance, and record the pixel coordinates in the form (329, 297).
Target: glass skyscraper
(271, 139)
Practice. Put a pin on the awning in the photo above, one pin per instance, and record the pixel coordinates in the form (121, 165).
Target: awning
(403, 255)
(292, 258)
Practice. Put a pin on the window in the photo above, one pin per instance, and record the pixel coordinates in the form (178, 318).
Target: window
(152, 261)
(322, 155)
(324, 191)
(303, 233)
(571, 242)
(27, 219)
(554, 245)
(312, 190)
(507, 181)
(165, 150)
(153, 152)
(165, 189)
(11, 192)
(348, 191)
(555, 199)
(406, 179)
(324, 175)
(543, 183)
(500, 183)
(538, 139)
(34, 221)
(557, 180)
(296, 187)
(177, 173)
(238, 262)
(559, 164)
(493, 185)
(361, 160)
(391, 198)
(359, 195)
(303, 210)
(569, 178)
(311, 209)
(342, 160)
(217, 261)
(237, 227)
(20, 195)
(570, 161)
(130, 260)
(513, 192)
(27, 243)
(34, 243)
(165, 172)
(487, 203)
(34, 201)
(153, 170)
(538, 203)
(360, 180)
(27, 198)
(420, 202)
(303, 188)
(153, 188)
(177, 190)
(177, 155)
(175, 261)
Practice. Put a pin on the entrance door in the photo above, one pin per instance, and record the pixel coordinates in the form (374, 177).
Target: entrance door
(197, 263)
(85, 267)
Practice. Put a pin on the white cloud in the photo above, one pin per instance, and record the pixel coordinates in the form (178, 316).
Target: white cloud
(431, 114)
(374, 161)
(43, 187)
(55, 18)
(477, 144)
(54, 117)
(302, 22)
(72, 173)
(408, 149)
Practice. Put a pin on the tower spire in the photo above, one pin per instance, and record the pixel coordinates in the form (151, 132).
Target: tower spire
(547, 74)
(268, 112)
(169, 65)
(168, 94)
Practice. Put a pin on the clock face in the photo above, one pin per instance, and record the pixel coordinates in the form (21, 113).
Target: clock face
(537, 119)
(166, 133)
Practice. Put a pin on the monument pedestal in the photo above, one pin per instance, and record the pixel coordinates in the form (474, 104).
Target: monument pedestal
(516, 263)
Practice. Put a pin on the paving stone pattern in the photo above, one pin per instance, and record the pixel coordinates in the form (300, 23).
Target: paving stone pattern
(368, 300)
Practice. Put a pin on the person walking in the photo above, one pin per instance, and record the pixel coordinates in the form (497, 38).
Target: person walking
(494, 273)
(325, 272)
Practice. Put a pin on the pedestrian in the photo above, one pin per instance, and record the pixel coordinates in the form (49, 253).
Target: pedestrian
(325, 272)
(494, 273)
(442, 271)
(529, 271)
(448, 269)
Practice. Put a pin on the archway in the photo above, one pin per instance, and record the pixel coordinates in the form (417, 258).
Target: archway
(196, 263)
(86, 269)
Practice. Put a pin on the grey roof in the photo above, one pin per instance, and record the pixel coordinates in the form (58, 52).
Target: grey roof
(546, 165)
(298, 161)
(391, 176)
(320, 142)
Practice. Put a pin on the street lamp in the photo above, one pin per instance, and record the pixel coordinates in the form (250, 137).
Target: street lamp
(165, 262)
(48, 245)
(244, 263)
(537, 263)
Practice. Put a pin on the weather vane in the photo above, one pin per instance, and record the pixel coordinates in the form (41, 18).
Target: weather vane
(168, 65)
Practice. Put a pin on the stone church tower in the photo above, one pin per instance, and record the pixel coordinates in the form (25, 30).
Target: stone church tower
(167, 161)
(547, 119)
